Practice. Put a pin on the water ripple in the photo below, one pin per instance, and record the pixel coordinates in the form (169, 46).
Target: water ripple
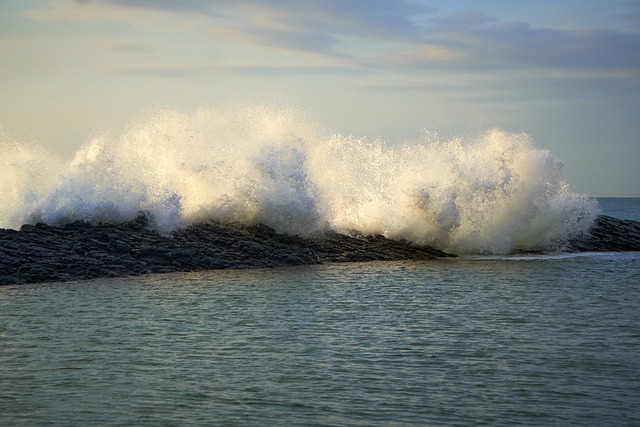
(454, 342)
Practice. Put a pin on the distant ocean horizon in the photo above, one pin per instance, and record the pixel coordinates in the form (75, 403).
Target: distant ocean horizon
(621, 207)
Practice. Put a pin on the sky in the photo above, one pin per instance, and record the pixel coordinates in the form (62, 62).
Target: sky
(567, 72)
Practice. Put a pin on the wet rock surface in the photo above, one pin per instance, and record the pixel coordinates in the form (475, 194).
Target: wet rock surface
(80, 250)
(610, 234)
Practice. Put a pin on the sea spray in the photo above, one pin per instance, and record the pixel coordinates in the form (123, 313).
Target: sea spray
(495, 193)
(26, 172)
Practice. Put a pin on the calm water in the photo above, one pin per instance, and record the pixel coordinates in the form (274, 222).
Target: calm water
(531, 340)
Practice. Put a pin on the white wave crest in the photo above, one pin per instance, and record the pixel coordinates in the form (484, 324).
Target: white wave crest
(256, 164)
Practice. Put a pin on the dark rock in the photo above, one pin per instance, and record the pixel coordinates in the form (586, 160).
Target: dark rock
(120, 247)
(81, 250)
(609, 234)
(140, 222)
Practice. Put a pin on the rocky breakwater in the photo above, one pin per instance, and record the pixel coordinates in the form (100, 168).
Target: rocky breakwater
(610, 234)
(81, 250)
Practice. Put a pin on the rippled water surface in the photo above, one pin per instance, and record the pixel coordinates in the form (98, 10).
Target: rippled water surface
(540, 340)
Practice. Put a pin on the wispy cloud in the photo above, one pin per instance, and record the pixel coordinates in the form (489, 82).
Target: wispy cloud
(523, 46)
(194, 6)
(123, 46)
(421, 38)
(389, 18)
(313, 25)
(283, 71)
(505, 46)
(268, 71)
(630, 12)
(297, 41)
(463, 20)
(162, 71)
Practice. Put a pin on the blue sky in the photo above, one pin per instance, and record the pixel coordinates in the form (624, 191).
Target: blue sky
(565, 72)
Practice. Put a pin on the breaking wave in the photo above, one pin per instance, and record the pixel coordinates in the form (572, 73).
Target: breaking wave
(494, 193)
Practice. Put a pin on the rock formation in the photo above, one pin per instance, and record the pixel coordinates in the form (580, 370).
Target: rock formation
(610, 234)
(80, 250)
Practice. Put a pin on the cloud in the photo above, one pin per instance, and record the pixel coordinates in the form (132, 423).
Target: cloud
(370, 18)
(162, 71)
(312, 25)
(395, 18)
(121, 46)
(522, 46)
(460, 21)
(298, 41)
(390, 36)
(283, 71)
(630, 12)
(471, 45)
(269, 71)
(195, 6)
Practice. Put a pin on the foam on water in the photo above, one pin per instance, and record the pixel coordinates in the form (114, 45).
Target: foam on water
(258, 164)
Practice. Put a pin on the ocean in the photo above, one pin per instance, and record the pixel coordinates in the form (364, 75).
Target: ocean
(547, 339)
(541, 338)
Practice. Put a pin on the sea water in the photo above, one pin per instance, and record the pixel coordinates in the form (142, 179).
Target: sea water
(537, 340)
(484, 339)
(548, 339)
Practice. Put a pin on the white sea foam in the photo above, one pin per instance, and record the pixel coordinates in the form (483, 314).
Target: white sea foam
(259, 164)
